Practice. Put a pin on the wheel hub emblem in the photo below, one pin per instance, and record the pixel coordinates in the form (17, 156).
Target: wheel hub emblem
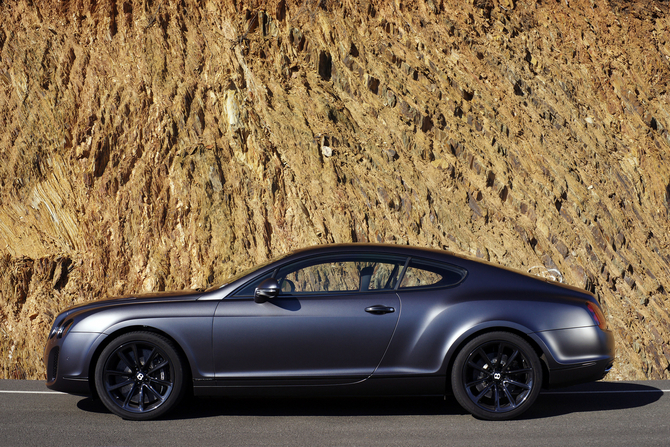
(497, 376)
(140, 376)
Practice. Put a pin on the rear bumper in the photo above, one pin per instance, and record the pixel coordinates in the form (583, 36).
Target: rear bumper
(577, 355)
(586, 372)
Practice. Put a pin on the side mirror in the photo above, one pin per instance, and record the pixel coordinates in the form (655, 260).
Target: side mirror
(266, 290)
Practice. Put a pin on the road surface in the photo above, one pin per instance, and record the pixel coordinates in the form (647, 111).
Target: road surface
(598, 414)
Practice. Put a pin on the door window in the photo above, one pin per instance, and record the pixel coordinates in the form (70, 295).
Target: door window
(342, 274)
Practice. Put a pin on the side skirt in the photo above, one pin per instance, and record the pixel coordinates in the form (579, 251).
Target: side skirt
(386, 386)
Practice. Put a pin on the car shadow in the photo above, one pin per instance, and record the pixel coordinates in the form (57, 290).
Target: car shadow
(287, 303)
(316, 406)
(204, 407)
(600, 396)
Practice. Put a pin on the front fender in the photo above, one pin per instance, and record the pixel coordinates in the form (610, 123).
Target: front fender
(194, 339)
(188, 323)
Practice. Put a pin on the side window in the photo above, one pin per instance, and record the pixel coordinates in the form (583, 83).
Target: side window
(342, 273)
(384, 276)
(326, 277)
(426, 274)
(250, 288)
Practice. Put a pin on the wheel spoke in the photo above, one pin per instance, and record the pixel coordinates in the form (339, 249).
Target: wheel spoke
(140, 401)
(476, 382)
(519, 371)
(496, 397)
(511, 400)
(155, 393)
(115, 372)
(153, 353)
(157, 367)
(501, 346)
(479, 396)
(485, 356)
(129, 395)
(160, 382)
(478, 368)
(136, 355)
(519, 384)
(511, 359)
(119, 385)
(126, 360)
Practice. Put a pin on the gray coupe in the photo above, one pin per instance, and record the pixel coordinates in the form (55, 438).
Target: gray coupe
(350, 319)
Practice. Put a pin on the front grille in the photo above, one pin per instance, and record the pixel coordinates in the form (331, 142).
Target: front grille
(53, 363)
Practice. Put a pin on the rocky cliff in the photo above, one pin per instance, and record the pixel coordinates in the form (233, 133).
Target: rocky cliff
(159, 145)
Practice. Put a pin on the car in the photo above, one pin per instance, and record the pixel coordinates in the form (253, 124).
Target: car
(341, 319)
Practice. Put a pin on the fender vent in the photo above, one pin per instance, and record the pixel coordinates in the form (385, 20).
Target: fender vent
(53, 363)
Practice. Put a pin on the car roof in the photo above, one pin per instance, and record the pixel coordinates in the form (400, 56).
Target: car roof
(364, 247)
(444, 255)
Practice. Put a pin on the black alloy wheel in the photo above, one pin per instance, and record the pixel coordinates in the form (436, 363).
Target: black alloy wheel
(496, 376)
(139, 376)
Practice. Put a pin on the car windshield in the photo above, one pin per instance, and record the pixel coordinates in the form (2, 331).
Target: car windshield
(246, 272)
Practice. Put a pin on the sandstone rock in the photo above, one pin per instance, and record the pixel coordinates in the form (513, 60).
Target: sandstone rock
(155, 147)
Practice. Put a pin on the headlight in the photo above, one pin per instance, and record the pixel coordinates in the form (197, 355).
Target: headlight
(65, 328)
(54, 328)
(60, 328)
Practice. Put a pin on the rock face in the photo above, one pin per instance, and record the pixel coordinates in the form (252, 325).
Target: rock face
(153, 145)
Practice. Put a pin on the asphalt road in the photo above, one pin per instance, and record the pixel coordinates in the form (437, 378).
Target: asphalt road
(599, 414)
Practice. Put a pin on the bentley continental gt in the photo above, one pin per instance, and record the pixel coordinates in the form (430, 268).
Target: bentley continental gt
(347, 319)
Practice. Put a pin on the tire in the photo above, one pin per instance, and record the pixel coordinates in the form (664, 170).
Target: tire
(139, 376)
(496, 376)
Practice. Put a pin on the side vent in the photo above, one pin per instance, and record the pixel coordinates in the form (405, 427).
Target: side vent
(52, 368)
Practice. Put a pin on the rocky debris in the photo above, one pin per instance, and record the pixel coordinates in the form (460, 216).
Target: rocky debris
(148, 146)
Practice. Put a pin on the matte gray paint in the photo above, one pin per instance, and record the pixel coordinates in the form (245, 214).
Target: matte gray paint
(331, 340)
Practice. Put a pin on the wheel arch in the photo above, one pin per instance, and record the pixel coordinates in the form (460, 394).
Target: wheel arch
(188, 381)
(512, 328)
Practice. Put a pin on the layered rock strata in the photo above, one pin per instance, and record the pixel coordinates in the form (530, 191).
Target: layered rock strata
(158, 145)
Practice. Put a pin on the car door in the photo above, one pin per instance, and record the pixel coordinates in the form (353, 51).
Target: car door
(331, 323)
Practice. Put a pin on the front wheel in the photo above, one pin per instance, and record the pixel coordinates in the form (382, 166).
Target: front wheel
(139, 376)
(496, 376)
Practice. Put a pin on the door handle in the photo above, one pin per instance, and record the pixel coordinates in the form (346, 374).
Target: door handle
(379, 309)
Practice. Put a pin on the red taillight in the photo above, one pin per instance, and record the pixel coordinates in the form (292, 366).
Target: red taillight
(597, 315)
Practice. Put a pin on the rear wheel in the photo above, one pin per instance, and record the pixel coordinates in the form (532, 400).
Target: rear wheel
(496, 376)
(139, 376)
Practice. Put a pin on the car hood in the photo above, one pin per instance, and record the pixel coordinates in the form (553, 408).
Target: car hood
(184, 295)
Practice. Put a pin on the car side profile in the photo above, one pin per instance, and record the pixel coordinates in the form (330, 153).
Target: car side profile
(346, 319)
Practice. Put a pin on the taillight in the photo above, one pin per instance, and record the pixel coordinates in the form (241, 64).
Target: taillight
(597, 315)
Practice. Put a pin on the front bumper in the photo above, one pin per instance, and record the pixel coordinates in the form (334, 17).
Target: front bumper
(67, 361)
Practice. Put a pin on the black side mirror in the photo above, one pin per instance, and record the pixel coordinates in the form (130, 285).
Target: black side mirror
(266, 290)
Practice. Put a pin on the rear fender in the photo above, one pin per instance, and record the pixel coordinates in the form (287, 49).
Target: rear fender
(453, 346)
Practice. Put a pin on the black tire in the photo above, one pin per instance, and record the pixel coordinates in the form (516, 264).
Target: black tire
(139, 376)
(496, 376)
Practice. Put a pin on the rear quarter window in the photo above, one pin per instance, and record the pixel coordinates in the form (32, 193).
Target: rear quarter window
(422, 273)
